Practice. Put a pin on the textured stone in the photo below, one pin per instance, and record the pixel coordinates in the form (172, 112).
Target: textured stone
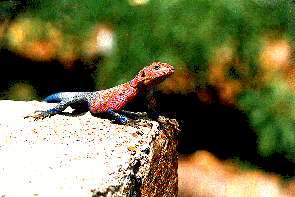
(83, 155)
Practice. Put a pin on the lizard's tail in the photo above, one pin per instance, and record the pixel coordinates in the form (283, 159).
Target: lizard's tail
(58, 97)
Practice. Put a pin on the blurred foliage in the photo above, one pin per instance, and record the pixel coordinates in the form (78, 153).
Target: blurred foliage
(22, 91)
(273, 116)
(8, 9)
(242, 48)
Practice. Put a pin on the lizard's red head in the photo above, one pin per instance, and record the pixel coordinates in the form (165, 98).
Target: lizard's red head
(153, 74)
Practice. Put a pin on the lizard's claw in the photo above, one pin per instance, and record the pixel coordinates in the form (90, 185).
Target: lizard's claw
(38, 115)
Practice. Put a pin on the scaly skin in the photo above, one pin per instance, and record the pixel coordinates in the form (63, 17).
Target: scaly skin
(111, 100)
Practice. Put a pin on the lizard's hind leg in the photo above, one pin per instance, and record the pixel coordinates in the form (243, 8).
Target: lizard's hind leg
(39, 114)
(64, 99)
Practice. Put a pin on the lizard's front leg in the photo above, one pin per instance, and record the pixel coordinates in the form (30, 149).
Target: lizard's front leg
(121, 119)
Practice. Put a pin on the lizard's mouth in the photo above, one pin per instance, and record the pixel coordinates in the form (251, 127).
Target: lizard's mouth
(156, 80)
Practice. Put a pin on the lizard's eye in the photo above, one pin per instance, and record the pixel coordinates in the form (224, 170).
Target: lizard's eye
(143, 74)
(157, 67)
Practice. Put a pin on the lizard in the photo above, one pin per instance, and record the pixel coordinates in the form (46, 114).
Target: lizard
(109, 101)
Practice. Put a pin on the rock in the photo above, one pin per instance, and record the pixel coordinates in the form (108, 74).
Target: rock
(84, 155)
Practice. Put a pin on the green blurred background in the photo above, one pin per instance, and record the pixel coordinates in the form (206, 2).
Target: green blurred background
(234, 62)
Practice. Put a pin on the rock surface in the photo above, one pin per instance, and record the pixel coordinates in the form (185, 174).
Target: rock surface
(84, 155)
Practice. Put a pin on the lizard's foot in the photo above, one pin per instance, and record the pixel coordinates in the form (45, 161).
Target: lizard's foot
(37, 115)
(121, 120)
(117, 118)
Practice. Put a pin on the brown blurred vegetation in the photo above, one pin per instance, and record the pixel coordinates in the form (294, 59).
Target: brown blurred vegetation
(203, 175)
